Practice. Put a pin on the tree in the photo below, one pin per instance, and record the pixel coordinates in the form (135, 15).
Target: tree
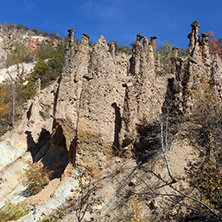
(121, 48)
(49, 62)
(4, 105)
(208, 114)
(215, 46)
(19, 55)
(36, 31)
(14, 92)
(164, 55)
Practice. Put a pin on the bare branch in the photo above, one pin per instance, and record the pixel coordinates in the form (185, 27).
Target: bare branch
(164, 148)
(185, 195)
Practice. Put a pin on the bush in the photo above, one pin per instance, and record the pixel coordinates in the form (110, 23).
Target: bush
(36, 31)
(134, 213)
(37, 177)
(14, 211)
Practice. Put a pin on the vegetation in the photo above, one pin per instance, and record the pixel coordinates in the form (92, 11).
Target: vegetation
(14, 211)
(121, 48)
(19, 55)
(14, 91)
(49, 62)
(134, 214)
(183, 52)
(208, 174)
(124, 49)
(59, 214)
(209, 110)
(165, 53)
(214, 44)
(24, 29)
(10, 27)
(37, 177)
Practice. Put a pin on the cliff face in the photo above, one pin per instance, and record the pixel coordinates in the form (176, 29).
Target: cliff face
(103, 96)
(190, 72)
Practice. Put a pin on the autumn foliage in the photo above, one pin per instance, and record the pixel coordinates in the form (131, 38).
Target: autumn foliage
(215, 45)
(208, 175)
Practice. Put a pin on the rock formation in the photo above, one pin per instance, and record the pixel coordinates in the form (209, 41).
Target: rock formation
(101, 100)
(96, 107)
(102, 96)
(190, 71)
(67, 98)
(140, 100)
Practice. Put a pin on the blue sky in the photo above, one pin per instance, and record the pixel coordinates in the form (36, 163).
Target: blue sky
(117, 20)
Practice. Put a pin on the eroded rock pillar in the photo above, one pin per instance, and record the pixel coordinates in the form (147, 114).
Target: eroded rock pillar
(175, 52)
(68, 94)
(153, 44)
(205, 45)
(194, 37)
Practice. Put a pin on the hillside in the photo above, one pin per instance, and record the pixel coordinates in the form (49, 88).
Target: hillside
(119, 138)
(30, 60)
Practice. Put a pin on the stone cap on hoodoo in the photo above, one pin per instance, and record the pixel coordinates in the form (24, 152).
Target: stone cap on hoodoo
(86, 35)
(204, 35)
(153, 44)
(139, 37)
(153, 37)
(195, 24)
(70, 38)
(71, 33)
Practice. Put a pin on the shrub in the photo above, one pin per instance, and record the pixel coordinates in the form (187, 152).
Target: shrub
(36, 177)
(134, 214)
(36, 31)
(14, 211)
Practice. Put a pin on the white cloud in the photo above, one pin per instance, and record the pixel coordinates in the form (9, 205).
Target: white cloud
(104, 10)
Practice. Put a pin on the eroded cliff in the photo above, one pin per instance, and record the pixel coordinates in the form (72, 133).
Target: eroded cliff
(108, 105)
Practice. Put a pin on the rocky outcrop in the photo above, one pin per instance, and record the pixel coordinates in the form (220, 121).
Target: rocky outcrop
(10, 37)
(140, 100)
(103, 95)
(96, 107)
(102, 100)
(67, 98)
(35, 42)
(189, 72)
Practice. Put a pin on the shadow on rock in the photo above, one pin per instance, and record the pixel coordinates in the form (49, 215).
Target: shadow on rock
(53, 157)
(118, 126)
